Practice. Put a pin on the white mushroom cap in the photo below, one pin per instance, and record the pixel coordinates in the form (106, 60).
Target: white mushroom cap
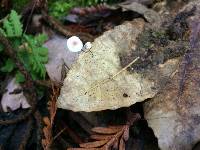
(74, 44)
(88, 45)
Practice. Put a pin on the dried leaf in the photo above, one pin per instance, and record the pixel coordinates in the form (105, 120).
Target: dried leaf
(83, 149)
(86, 15)
(93, 144)
(107, 141)
(46, 142)
(115, 137)
(117, 127)
(46, 121)
(52, 107)
(100, 137)
(13, 101)
(58, 55)
(88, 86)
(108, 130)
(150, 15)
(104, 77)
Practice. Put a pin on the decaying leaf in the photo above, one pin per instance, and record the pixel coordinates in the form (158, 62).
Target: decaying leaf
(47, 140)
(59, 57)
(93, 144)
(174, 114)
(109, 130)
(150, 15)
(13, 98)
(100, 79)
(111, 137)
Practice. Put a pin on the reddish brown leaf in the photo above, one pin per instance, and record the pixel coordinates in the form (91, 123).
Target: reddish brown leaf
(52, 103)
(83, 149)
(115, 137)
(93, 144)
(117, 127)
(101, 137)
(107, 130)
(46, 133)
(46, 121)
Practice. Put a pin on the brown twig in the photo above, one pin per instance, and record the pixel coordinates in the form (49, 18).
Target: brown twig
(56, 25)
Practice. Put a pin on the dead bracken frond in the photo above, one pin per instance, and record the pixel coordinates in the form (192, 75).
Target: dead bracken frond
(46, 142)
(111, 137)
(47, 130)
(52, 103)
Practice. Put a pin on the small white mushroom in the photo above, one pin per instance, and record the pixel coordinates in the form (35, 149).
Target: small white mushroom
(74, 44)
(87, 46)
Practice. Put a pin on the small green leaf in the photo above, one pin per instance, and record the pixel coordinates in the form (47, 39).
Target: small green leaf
(9, 66)
(15, 20)
(12, 26)
(41, 38)
(8, 28)
(19, 77)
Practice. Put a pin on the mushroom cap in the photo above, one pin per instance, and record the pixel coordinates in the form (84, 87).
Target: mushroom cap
(74, 44)
(88, 45)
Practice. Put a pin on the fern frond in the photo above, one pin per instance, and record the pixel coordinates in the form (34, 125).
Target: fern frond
(12, 25)
(38, 55)
(16, 24)
(8, 28)
(40, 39)
(29, 49)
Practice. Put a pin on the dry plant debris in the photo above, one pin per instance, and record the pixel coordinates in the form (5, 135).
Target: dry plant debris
(59, 55)
(111, 137)
(13, 98)
(48, 121)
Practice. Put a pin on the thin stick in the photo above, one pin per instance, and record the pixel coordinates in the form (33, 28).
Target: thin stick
(123, 69)
(126, 67)
(59, 133)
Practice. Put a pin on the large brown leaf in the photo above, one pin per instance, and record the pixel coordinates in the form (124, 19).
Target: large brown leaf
(100, 79)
